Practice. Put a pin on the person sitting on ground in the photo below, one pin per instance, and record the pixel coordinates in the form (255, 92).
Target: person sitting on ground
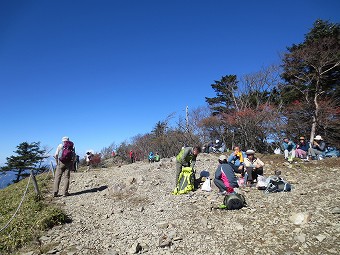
(225, 179)
(253, 167)
(236, 158)
(157, 157)
(151, 157)
(186, 158)
(288, 149)
(302, 148)
(215, 148)
(318, 148)
(206, 147)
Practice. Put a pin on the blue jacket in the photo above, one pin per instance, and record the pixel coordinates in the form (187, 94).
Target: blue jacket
(304, 146)
(235, 160)
(289, 146)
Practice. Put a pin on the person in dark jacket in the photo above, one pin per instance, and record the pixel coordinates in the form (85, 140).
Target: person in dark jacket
(302, 148)
(225, 179)
(318, 148)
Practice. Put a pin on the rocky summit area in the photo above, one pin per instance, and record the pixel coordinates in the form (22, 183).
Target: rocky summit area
(129, 209)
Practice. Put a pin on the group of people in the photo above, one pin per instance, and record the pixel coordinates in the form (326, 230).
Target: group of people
(153, 157)
(217, 147)
(243, 163)
(303, 149)
(67, 160)
(238, 162)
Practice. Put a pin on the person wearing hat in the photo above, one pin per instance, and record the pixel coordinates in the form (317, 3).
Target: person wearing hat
(302, 148)
(318, 148)
(225, 179)
(288, 149)
(253, 166)
(62, 168)
(88, 159)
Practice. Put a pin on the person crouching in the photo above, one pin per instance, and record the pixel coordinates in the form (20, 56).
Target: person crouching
(225, 179)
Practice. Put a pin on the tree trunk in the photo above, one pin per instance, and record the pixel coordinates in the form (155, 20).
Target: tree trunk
(315, 119)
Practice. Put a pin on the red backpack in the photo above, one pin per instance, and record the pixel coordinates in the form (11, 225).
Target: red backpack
(67, 154)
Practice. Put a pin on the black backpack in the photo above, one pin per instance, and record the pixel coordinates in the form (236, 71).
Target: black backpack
(234, 201)
(277, 184)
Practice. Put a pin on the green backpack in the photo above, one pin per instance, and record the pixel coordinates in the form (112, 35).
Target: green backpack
(185, 181)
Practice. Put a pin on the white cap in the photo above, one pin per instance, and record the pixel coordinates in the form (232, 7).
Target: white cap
(65, 138)
(222, 157)
(318, 137)
(250, 152)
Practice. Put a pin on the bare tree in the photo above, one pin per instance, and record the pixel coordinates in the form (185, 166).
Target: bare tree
(312, 74)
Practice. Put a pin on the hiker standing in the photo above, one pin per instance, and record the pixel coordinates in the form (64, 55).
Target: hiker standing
(132, 156)
(88, 159)
(64, 157)
(76, 163)
(186, 158)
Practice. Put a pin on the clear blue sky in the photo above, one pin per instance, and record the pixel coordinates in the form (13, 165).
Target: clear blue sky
(104, 71)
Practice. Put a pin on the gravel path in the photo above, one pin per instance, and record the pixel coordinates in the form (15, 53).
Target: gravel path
(130, 209)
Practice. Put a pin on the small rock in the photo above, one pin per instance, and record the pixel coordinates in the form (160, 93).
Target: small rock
(165, 241)
(162, 224)
(135, 248)
(336, 210)
(320, 237)
(238, 227)
(299, 218)
(301, 238)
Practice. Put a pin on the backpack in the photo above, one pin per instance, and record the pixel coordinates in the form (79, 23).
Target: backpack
(67, 154)
(277, 184)
(234, 201)
(186, 181)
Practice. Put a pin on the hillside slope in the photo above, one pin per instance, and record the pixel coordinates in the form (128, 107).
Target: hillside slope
(130, 209)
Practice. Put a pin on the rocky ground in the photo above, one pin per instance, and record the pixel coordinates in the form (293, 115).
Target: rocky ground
(130, 209)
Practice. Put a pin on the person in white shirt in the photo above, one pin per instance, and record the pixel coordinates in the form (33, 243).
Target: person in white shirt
(62, 168)
(253, 167)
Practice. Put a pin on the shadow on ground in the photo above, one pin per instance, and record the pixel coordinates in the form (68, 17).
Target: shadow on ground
(101, 188)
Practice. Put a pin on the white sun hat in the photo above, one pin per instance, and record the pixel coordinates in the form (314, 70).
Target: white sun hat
(318, 137)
